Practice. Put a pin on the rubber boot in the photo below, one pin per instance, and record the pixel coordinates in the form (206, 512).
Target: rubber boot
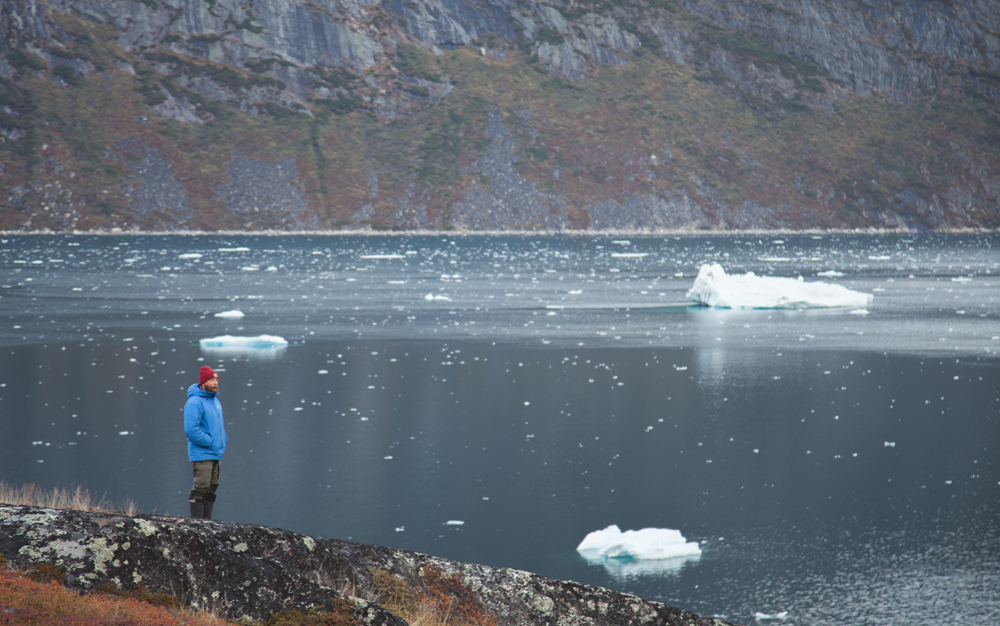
(197, 508)
(209, 503)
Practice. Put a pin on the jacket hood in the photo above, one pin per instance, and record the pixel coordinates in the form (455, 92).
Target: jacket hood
(195, 390)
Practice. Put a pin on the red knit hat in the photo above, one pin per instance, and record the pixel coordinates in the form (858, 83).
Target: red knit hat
(207, 373)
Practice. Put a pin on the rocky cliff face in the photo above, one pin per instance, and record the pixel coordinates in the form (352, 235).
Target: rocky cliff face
(499, 114)
(252, 572)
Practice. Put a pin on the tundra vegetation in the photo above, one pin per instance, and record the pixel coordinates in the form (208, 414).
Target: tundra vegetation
(736, 123)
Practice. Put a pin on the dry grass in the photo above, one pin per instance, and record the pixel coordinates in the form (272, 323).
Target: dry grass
(75, 498)
(27, 602)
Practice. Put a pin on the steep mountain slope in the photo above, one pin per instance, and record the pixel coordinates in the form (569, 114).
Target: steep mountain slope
(499, 114)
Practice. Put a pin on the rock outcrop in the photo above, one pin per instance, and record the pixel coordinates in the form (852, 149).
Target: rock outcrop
(246, 571)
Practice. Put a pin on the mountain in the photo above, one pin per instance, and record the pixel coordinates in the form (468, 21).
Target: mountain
(472, 115)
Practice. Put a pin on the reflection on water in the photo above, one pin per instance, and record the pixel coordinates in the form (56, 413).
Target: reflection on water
(763, 435)
(623, 568)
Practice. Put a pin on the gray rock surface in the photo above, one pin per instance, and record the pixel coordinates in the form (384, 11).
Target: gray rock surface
(252, 571)
(510, 201)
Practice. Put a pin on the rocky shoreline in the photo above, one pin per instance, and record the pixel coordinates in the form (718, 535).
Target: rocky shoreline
(245, 571)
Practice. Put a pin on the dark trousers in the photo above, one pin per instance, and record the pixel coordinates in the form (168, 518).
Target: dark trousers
(206, 480)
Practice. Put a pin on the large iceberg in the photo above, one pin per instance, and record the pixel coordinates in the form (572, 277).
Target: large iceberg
(713, 287)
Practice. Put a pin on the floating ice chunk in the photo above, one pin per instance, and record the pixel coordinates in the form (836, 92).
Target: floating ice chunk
(830, 274)
(783, 615)
(645, 544)
(860, 312)
(636, 552)
(713, 287)
(381, 256)
(234, 314)
(229, 341)
(629, 255)
(234, 249)
(189, 256)
(434, 296)
(454, 522)
(890, 444)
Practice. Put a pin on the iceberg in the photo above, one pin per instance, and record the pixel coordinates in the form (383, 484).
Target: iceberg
(645, 544)
(638, 552)
(713, 287)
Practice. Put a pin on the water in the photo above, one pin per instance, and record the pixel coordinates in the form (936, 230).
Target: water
(838, 465)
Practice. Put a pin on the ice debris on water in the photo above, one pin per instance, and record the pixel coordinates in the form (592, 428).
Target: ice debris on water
(433, 296)
(714, 287)
(648, 543)
(234, 314)
(454, 522)
(783, 615)
(890, 444)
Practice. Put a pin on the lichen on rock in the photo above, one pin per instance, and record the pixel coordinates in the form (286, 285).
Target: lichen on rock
(251, 572)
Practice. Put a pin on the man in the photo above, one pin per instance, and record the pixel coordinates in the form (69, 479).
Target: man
(206, 435)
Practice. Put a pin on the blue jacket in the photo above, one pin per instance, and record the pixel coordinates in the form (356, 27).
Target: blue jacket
(203, 425)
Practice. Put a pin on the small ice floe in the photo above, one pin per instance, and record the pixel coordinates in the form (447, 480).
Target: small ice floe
(229, 341)
(239, 249)
(890, 444)
(124, 432)
(189, 256)
(646, 551)
(830, 274)
(381, 256)
(783, 615)
(860, 312)
(259, 347)
(629, 255)
(713, 287)
(454, 522)
(879, 258)
(250, 268)
(234, 314)
(435, 296)
(961, 279)
(400, 529)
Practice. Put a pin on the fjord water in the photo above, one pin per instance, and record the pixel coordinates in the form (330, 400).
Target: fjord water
(493, 399)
